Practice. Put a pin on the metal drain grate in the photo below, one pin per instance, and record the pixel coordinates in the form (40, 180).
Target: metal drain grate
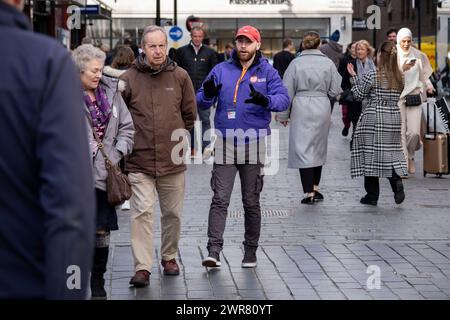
(265, 213)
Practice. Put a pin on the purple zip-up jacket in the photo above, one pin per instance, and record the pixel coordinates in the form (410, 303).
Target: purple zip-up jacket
(264, 78)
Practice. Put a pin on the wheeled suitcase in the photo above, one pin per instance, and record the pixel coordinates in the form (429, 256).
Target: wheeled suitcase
(435, 149)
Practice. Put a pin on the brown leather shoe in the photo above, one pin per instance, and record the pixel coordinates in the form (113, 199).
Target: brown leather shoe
(140, 279)
(171, 267)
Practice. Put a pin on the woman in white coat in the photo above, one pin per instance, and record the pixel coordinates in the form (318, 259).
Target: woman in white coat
(416, 69)
(311, 79)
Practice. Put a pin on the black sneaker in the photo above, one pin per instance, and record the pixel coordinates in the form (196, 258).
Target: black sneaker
(366, 200)
(399, 195)
(318, 196)
(212, 260)
(249, 260)
(345, 131)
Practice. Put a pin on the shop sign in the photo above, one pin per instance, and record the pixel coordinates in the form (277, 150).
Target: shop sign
(288, 2)
(90, 9)
(339, 4)
(359, 24)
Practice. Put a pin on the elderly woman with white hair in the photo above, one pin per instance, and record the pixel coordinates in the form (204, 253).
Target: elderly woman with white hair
(109, 120)
(416, 69)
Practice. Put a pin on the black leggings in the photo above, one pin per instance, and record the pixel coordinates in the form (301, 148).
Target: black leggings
(310, 177)
(354, 111)
(372, 185)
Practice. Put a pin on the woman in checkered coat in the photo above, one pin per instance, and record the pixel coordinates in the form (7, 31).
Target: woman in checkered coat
(377, 145)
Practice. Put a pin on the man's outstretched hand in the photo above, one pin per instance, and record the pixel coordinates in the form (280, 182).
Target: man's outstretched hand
(210, 89)
(257, 97)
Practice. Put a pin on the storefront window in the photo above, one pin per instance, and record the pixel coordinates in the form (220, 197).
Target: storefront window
(295, 28)
(222, 31)
(122, 29)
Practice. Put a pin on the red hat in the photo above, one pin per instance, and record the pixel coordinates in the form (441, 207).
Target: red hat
(250, 32)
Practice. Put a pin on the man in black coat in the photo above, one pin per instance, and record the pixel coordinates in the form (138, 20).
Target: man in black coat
(47, 204)
(224, 56)
(283, 58)
(198, 60)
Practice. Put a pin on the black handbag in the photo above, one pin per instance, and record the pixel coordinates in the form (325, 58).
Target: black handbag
(347, 97)
(413, 100)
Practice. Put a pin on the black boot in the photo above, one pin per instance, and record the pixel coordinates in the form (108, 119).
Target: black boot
(98, 287)
(249, 260)
(98, 269)
(397, 188)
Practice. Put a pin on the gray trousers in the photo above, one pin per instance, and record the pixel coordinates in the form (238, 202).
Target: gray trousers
(222, 182)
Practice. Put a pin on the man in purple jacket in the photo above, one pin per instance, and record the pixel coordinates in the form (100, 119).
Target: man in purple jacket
(247, 88)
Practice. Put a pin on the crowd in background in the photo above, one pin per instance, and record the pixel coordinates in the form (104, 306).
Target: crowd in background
(127, 103)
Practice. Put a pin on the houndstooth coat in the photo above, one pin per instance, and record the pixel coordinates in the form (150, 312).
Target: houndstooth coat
(377, 144)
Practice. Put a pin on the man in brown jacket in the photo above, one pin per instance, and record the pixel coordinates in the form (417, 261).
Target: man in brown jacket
(161, 99)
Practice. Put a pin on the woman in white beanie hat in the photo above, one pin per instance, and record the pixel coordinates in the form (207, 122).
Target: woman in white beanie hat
(416, 69)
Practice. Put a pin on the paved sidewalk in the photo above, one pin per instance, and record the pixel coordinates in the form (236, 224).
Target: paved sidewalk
(307, 252)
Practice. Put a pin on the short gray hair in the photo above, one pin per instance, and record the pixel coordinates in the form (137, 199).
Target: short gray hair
(152, 28)
(197, 28)
(85, 53)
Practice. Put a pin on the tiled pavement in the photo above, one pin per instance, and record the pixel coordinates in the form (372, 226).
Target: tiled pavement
(307, 252)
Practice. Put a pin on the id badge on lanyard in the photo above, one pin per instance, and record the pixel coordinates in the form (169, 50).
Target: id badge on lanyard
(231, 113)
(231, 110)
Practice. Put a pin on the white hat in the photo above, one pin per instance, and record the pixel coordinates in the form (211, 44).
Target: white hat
(403, 33)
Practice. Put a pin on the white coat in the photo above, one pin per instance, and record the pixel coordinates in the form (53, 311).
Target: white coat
(311, 79)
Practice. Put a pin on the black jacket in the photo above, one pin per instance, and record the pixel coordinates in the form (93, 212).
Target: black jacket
(47, 200)
(198, 65)
(345, 84)
(281, 61)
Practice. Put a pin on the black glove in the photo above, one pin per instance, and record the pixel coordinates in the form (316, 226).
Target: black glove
(210, 88)
(257, 98)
